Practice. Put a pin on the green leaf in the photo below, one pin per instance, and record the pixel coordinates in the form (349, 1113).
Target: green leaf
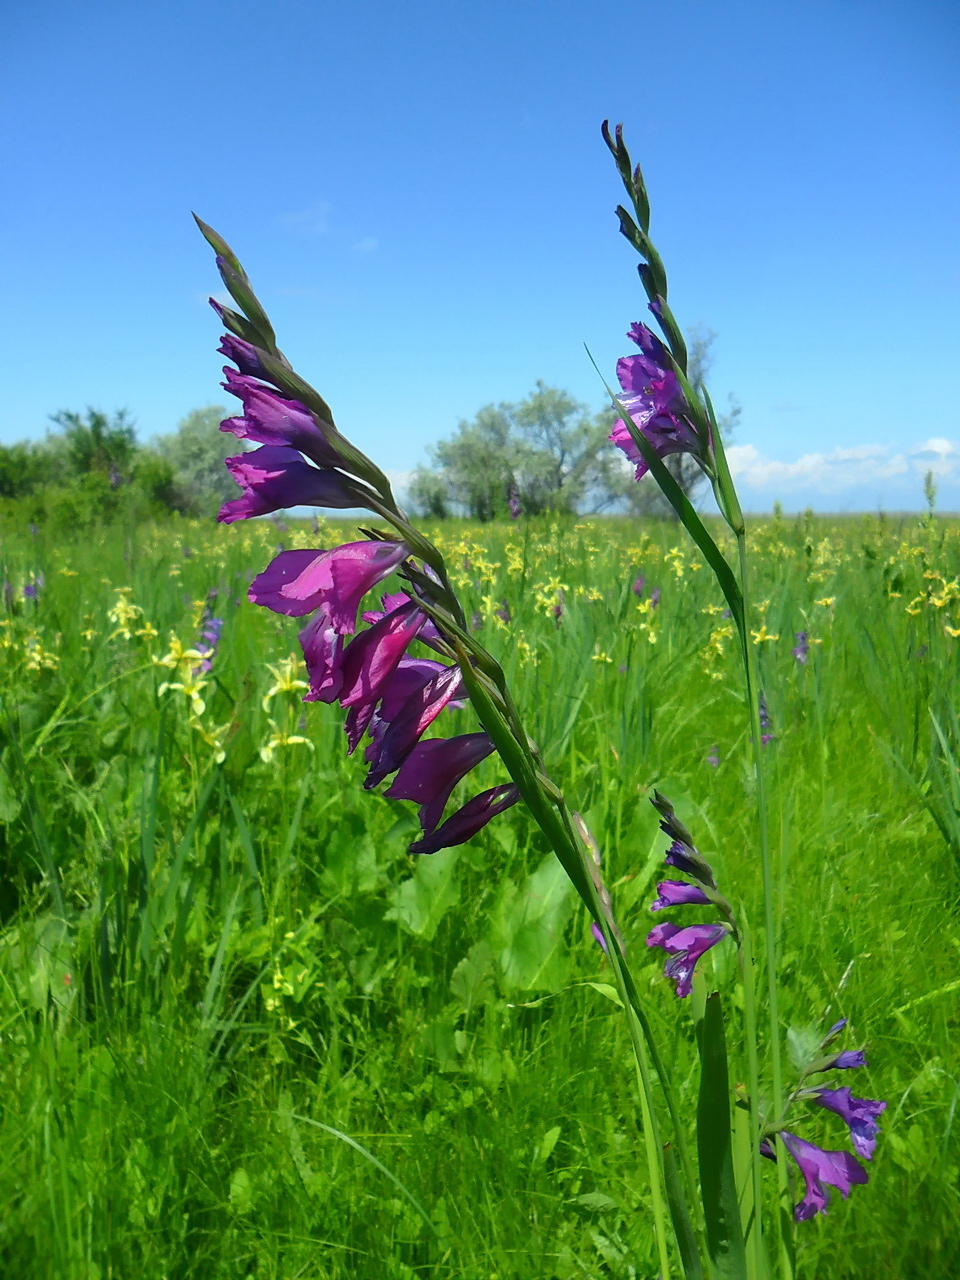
(682, 1226)
(531, 924)
(718, 1188)
(421, 902)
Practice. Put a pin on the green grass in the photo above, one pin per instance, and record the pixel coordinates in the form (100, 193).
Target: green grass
(244, 1033)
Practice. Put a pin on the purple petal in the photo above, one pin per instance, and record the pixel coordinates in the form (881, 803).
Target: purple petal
(323, 653)
(836, 1168)
(685, 947)
(677, 893)
(371, 658)
(297, 582)
(845, 1061)
(269, 418)
(433, 769)
(859, 1113)
(466, 822)
(401, 734)
(274, 477)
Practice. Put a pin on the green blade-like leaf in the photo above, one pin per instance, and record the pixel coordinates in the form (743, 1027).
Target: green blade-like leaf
(682, 1226)
(718, 1187)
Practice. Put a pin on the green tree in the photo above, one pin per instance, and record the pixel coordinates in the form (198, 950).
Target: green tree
(95, 442)
(548, 447)
(196, 451)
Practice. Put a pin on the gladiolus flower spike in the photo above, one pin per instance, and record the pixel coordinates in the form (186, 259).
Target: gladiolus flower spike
(365, 666)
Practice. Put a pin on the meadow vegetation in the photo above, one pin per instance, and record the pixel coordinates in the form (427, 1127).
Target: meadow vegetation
(245, 1033)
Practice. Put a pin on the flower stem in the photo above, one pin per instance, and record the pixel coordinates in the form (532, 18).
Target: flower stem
(769, 919)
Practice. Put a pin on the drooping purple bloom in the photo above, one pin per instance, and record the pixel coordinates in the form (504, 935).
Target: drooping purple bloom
(836, 1168)
(654, 401)
(860, 1114)
(685, 947)
(393, 743)
(638, 586)
(270, 419)
(468, 820)
(243, 354)
(273, 477)
(371, 658)
(513, 501)
(802, 647)
(557, 609)
(322, 647)
(297, 582)
(433, 769)
(678, 893)
(654, 597)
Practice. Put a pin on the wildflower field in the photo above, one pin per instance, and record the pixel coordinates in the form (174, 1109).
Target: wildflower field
(246, 1033)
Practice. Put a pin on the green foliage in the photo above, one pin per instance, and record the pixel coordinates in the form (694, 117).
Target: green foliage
(249, 969)
(196, 451)
(547, 448)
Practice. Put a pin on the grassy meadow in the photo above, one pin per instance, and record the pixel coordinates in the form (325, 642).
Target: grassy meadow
(243, 1033)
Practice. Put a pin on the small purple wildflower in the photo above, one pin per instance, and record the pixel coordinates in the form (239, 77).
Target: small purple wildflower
(836, 1168)
(685, 947)
(860, 1114)
(845, 1061)
(654, 597)
(802, 647)
(503, 613)
(766, 726)
(209, 639)
(654, 401)
(513, 500)
(713, 759)
(638, 586)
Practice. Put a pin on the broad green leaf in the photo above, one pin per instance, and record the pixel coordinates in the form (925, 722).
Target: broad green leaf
(421, 902)
(718, 1188)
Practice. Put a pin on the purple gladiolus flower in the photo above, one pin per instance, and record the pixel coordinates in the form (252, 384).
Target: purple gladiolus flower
(323, 654)
(802, 647)
(557, 610)
(845, 1061)
(834, 1031)
(677, 893)
(654, 597)
(638, 586)
(429, 635)
(273, 477)
(371, 658)
(433, 769)
(466, 822)
(514, 503)
(270, 419)
(860, 1114)
(685, 947)
(209, 639)
(836, 1168)
(297, 582)
(654, 401)
(393, 742)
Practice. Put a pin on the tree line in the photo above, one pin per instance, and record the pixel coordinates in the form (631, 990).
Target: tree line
(545, 453)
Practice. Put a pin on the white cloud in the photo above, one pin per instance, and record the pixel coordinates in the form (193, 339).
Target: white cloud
(310, 221)
(841, 468)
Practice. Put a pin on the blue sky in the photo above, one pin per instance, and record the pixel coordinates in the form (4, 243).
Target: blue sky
(421, 196)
